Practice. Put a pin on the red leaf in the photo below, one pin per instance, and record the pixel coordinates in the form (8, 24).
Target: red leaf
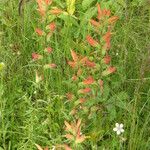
(36, 56)
(99, 11)
(94, 23)
(74, 55)
(74, 78)
(89, 80)
(91, 41)
(113, 19)
(72, 64)
(52, 66)
(52, 26)
(68, 126)
(101, 83)
(69, 136)
(69, 96)
(90, 63)
(106, 12)
(48, 2)
(82, 100)
(79, 72)
(84, 91)
(56, 11)
(107, 59)
(48, 49)
(108, 71)
(39, 31)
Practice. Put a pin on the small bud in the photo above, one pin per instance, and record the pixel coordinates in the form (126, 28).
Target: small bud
(113, 19)
(36, 56)
(52, 26)
(48, 50)
(52, 66)
(84, 91)
(88, 81)
(108, 71)
(39, 31)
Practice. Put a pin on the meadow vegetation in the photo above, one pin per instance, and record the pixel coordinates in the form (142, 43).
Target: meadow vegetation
(72, 73)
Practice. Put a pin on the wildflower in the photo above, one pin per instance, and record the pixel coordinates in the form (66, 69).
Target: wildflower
(36, 56)
(39, 31)
(113, 19)
(119, 128)
(74, 130)
(50, 66)
(108, 71)
(89, 80)
(91, 41)
(48, 50)
(84, 91)
(107, 59)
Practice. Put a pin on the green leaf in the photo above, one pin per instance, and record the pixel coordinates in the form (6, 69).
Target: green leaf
(86, 3)
(2, 66)
(70, 6)
(112, 112)
(119, 100)
(87, 16)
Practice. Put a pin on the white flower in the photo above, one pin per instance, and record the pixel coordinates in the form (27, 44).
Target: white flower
(119, 128)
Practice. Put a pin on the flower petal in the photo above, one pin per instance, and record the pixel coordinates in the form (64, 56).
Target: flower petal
(121, 125)
(117, 124)
(118, 132)
(115, 129)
